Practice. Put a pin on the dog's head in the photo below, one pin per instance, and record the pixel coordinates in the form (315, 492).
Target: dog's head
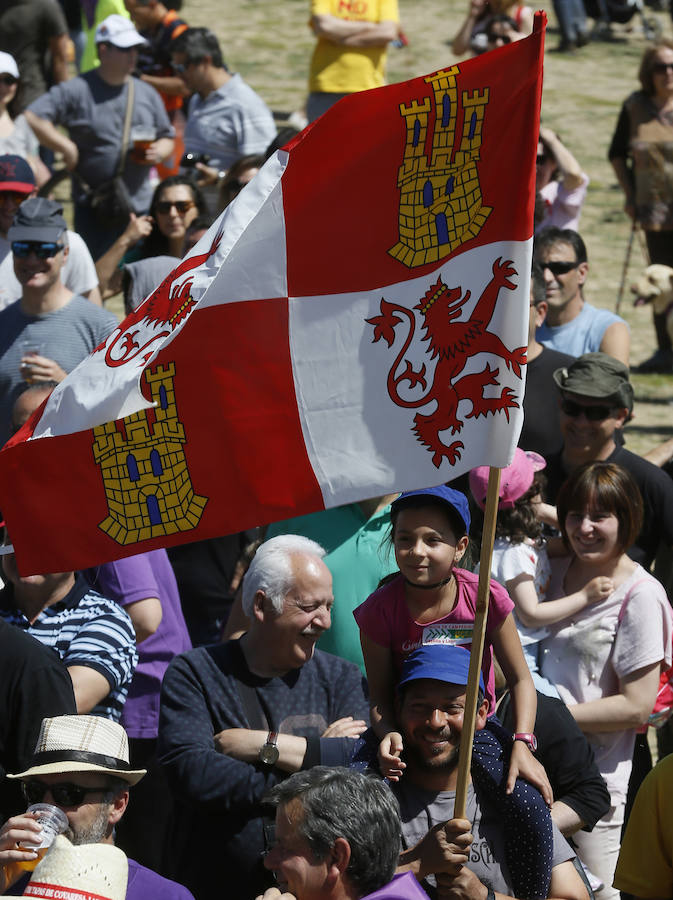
(654, 286)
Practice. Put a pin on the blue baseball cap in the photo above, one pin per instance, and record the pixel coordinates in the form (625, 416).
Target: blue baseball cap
(451, 497)
(440, 662)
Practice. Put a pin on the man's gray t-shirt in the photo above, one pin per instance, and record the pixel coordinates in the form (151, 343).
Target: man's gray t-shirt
(66, 335)
(421, 810)
(93, 112)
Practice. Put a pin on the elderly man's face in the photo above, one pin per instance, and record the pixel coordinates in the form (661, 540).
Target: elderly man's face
(306, 613)
(292, 861)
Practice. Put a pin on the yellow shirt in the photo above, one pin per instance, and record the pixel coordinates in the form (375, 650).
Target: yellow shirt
(645, 867)
(341, 70)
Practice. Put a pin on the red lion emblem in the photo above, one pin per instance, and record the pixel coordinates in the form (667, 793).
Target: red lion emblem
(167, 305)
(453, 343)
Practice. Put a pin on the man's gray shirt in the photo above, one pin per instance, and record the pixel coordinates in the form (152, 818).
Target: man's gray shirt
(93, 113)
(66, 335)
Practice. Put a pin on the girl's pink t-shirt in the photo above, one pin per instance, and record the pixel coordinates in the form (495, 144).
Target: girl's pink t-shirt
(385, 619)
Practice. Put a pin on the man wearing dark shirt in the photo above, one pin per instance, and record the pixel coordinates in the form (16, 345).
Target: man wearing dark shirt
(541, 428)
(596, 400)
(34, 684)
(236, 718)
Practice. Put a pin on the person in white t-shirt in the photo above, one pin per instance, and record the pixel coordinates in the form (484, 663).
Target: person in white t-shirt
(606, 660)
(17, 183)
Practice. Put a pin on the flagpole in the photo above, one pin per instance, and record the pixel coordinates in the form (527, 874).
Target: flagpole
(476, 653)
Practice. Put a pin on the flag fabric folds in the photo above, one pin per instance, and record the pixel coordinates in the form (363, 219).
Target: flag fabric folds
(355, 323)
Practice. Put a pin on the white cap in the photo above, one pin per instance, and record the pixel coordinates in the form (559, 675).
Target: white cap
(120, 32)
(8, 64)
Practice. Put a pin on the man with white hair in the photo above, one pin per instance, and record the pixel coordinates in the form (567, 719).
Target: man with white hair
(237, 717)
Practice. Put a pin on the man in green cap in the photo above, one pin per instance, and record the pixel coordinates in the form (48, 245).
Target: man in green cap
(596, 399)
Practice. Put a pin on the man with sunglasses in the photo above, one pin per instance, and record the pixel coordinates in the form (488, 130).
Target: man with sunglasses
(17, 183)
(596, 400)
(81, 764)
(46, 333)
(572, 325)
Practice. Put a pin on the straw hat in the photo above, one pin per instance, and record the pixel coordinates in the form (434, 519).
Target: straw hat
(85, 872)
(82, 744)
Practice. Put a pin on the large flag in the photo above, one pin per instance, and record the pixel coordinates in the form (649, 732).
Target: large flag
(355, 323)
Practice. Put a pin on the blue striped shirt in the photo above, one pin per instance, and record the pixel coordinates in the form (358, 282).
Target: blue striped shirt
(85, 629)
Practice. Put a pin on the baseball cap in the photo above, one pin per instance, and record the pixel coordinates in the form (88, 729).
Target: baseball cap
(16, 174)
(515, 479)
(8, 64)
(441, 662)
(120, 32)
(38, 219)
(450, 496)
(597, 375)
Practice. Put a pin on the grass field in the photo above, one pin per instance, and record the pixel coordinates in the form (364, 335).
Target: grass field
(270, 45)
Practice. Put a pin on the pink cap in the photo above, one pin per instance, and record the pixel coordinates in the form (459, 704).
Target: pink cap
(514, 480)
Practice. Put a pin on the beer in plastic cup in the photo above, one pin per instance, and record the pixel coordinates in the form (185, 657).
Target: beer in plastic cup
(53, 821)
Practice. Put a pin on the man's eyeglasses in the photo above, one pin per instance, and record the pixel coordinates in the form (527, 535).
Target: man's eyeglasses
(559, 268)
(182, 206)
(180, 68)
(662, 67)
(591, 413)
(8, 80)
(41, 249)
(64, 793)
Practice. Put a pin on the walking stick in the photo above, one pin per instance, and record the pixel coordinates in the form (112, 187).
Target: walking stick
(476, 653)
(625, 270)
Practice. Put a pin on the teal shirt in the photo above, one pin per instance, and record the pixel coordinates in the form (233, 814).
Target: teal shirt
(357, 561)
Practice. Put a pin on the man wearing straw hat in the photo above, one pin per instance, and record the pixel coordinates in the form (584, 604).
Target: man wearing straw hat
(460, 857)
(81, 764)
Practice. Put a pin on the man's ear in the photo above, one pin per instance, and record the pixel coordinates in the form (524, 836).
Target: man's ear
(482, 714)
(258, 610)
(540, 312)
(621, 416)
(339, 858)
(583, 271)
(118, 807)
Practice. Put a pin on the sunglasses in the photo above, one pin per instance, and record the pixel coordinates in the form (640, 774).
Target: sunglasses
(661, 67)
(182, 206)
(41, 249)
(8, 80)
(559, 268)
(505, 38)
(591, 413)
(65, 793)
(180, 68)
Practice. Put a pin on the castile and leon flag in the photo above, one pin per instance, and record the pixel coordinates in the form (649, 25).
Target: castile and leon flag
(355, 323)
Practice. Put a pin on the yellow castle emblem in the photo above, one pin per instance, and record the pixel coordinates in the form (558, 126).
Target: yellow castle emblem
(142, 459)
(440, 198)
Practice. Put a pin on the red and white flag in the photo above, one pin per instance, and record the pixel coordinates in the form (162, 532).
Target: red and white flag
(355, 323)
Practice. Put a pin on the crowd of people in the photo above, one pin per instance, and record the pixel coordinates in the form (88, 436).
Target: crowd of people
(293, 696)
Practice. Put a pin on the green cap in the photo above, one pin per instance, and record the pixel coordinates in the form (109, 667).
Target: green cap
(597, 375)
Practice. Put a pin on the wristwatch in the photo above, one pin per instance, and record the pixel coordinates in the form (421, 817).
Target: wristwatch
(529, 739)
(268, 752)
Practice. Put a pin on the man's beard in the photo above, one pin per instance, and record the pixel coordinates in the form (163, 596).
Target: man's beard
(92, 833)
(430, 763)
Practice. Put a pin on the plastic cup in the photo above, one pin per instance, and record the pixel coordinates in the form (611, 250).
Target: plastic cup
(51, 819)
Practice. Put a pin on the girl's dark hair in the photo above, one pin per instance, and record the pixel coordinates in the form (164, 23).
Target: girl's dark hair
(157, 243)
(418, 501)
(603, 487)
(520, 522)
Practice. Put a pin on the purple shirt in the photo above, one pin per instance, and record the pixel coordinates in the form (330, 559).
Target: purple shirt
(145, 884)
(127, 581)
(402, 887)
